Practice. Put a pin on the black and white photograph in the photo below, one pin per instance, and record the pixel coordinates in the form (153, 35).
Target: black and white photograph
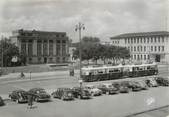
(84, 58)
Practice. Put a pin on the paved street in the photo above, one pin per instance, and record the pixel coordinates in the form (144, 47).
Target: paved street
(120, 105)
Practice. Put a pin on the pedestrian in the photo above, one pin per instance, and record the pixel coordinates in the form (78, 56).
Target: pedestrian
(31, 98)
(22, 75)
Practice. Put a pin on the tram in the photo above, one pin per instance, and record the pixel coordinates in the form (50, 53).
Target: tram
(91, 74)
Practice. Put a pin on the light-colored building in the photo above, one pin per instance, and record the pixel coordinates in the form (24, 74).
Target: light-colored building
(145, 46)
(42, 46)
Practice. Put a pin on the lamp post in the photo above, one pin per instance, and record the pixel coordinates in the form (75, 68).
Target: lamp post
(80, 27)
(2, 52)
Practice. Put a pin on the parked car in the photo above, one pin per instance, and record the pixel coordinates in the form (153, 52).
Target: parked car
(142, 84)
(131, 85)
(41, 94)
(1, 101)
(63, 93)
(162, 81)
(20, 96)
(93, 90)
(121, 88)
(151, 82)
(81, 93)
(107, 88)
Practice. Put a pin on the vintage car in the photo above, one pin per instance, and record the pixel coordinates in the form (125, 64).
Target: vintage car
(142, 84)
(93, 90)
(81, 93)
(40, 94)
(1, 101)
(107, 88)
(63, 93)
(132, 85)
(163, 81)
(151, 82)
(121, 88)
(20, 96)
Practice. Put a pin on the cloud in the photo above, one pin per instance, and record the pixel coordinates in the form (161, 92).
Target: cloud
(102, 18)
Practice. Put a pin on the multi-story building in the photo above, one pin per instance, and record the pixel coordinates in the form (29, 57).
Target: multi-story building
(145, 46)
(42, 46)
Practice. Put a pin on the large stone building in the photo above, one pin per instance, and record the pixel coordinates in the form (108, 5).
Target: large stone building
(145, 46)
(42, 46)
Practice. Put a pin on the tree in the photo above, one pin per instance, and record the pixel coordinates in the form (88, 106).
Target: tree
(10, 50)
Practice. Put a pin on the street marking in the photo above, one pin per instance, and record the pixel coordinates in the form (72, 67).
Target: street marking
(150, 100)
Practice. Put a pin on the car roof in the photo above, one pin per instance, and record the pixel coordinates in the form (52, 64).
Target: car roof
(36, 89)
(19, 90)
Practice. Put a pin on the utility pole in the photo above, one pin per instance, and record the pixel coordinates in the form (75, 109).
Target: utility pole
(2, 52)
(80, 27)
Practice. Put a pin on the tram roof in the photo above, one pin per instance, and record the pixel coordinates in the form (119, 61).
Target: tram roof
(119, 66)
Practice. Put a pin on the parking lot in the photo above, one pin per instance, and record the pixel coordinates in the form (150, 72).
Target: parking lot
(118, 105)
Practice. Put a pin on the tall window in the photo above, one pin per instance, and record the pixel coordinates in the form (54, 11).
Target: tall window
(151, 48)
(125, 41)
(155, 40)
(148, 39)
(45, 48)
(23, 47)
(50, 47)
(162, 39)
(134, 40)
(159, 48)
(163, 48)
(141, 48)
(140, 40)
(151, 40)
(144, 48)
(30, 49)
(155, 48)
(138, 48)
(131, 48)
(144, 57)
(131, 40)
(134, 48)
(137, 40)
(39, 48)
(159, 39)
(58, 46)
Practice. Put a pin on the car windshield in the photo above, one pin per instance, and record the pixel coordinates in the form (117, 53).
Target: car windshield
(41, 91)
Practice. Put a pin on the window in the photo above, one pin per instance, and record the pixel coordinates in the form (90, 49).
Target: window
(163, 48)
(148, 40)
(137, 40)
(39, 48)
(144, 57)
(155, 48)
(144, 48)
(131, 40)
(159, 48)
(138, 57)
(138, 48)
(151, 48)
(50, 47)
(63, 50)
(148, 56)
(155, 39)
(141, 48)
(128, 40)
(141, 56)
(151, 40)
(134, 48)
(162, 39)
(45, 48)
(135, 57)
(134, 40)
(159, 39)
(140, 40)
(144, 40)
(30, 49)
(125, 41)
(131, 48)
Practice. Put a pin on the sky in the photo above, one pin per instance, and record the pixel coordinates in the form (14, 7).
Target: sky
(102, 18)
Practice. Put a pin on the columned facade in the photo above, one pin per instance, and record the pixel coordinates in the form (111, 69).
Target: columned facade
(147, 46)
(41, 46)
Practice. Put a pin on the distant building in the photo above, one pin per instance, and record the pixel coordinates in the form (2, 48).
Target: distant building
(145, 46)
(42, 46)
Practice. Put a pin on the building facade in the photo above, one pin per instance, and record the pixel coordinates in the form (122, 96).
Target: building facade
(146, 46)
(42, 46)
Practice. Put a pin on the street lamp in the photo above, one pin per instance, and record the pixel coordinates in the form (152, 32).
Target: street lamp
(80, 27)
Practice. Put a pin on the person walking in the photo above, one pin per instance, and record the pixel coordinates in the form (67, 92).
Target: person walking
(31, 98)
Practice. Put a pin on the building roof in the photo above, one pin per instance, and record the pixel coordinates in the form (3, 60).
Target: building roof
(38, 31)
(141, 34)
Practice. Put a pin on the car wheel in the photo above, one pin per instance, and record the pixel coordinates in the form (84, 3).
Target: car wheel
(79, 97)
(17, 101)
(107, 92)
(36, 99)
(62, 98)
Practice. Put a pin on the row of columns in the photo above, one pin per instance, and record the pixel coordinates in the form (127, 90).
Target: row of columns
(55, 44)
